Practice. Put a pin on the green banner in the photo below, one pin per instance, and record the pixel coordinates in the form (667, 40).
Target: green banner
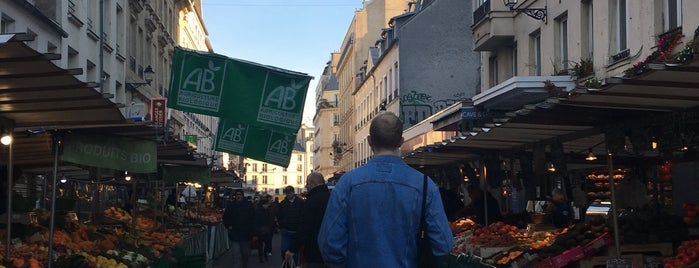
(266, 145)
(173, 174)
(243, 91)
(191, 139)
(135, 156)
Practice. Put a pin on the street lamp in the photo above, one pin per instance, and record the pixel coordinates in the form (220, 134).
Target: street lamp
(537, 13)
(148, 74)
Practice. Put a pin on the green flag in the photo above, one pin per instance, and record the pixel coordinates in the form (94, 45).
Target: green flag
(266, 145)
(242, 91)
(135, 156)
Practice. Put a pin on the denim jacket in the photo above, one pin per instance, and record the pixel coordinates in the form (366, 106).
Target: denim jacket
(373, 216)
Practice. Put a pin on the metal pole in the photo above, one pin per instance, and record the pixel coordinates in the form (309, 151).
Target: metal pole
(8, 243)
(56, 149)
(615, 216)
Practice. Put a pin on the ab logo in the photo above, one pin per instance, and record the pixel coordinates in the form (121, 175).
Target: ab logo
(282, 97)
(282, 102)
(233, 139)
(279, 148)
(201, 82)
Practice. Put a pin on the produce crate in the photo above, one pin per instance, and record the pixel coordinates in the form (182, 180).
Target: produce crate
(545, 263)
(574, 254)
(599, 243)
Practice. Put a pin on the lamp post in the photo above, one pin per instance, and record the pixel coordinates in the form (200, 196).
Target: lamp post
(537, 13)
(148, 74)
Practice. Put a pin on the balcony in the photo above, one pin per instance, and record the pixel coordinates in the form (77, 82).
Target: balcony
(492, 29)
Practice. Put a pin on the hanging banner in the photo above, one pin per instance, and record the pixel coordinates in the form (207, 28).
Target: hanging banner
(193, 139)
(184, 173)
(265, 145)
(243, 91)
(158, 111)
(135, 156)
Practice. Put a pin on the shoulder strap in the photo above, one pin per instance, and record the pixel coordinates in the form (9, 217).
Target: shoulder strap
(422, 210)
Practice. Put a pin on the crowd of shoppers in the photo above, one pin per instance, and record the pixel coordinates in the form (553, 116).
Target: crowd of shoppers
(370, 219)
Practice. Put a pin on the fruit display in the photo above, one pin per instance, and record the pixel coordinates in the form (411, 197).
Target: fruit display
(687, 254)
(650, 224)
(690, 213)
(118, 214)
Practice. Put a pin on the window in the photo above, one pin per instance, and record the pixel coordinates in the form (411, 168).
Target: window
(493, 69)
(396, 84)
(264, 167)
(299, 167)
(300, 157)
(621, 25)
(6, 24)
(284, 179)
(264, 179)
(254, 167)
(587, 30)
(562, 36)
(299, 180)
(254, 178)
(535, 54)
(673, 14)
(514, 60)
(285, 169)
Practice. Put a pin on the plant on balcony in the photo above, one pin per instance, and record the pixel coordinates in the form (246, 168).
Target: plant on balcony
(555, 91)
(664, 45)
(593, 83)
(581, 69)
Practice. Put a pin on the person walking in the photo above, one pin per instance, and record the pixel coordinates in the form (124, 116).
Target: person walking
(289, 218)
(238, 219)
(374, 212)
(264, 224)
(311, 219)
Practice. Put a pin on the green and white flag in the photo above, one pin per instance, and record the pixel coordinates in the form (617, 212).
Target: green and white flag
(242, 91)
(267, 145)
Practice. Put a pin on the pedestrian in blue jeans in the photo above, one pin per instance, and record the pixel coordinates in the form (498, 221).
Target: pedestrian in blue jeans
(289, 217)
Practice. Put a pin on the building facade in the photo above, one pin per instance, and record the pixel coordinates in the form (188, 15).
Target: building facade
(271, 179)
(362, 33)
(326, 158)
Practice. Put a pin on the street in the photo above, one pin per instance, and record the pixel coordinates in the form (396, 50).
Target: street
(275, 261)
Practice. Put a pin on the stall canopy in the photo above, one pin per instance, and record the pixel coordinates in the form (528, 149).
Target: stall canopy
(578, 119)
(39, 99)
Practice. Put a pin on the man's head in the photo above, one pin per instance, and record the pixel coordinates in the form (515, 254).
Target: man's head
(314, 179)
(238, 195)
(289, 192)
(385, 132)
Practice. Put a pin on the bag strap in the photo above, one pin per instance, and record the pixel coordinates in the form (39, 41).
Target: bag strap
(422, 210)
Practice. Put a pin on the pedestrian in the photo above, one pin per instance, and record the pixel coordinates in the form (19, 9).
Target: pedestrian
(374, 212)
(289, 218)
(264, 226)
(311, 219)
(482, 201)
(238, 219)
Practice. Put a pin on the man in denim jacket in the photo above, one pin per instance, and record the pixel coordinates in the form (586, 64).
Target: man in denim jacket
(373, 215)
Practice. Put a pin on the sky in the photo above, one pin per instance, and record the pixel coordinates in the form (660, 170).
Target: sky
(296, 35)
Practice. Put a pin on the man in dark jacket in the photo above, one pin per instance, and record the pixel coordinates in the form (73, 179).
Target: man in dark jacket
(289, 217)
(238, 219)
(311, 219)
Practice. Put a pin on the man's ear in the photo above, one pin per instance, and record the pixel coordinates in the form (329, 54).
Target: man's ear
(368, 140)
(402, 140)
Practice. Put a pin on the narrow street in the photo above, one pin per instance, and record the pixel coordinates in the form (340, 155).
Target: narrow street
(226, 260)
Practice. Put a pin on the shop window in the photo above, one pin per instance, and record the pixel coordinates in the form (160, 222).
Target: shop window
(673, 14)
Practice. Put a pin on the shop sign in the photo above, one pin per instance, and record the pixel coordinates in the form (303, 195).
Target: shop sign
(158, 111)
(191, 139)
(473, 113)
(267, 145)
(135, 156)
(245, 92)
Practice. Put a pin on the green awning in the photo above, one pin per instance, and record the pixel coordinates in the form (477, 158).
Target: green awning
(175, 174)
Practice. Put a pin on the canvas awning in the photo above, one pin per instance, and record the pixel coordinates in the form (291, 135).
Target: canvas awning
(578, 120)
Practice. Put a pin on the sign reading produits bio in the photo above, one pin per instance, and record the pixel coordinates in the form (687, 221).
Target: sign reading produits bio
(135, 156)
(243, 91)
(266, 145)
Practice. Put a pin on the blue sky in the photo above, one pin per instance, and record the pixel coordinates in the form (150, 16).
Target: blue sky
(297, 35)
